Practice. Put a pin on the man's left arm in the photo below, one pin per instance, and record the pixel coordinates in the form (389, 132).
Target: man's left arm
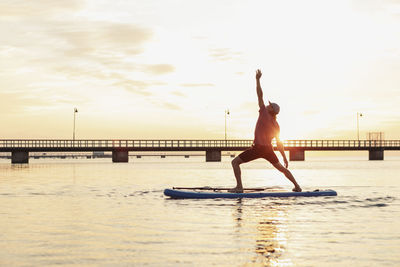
(281, 149)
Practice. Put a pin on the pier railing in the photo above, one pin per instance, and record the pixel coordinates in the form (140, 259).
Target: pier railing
(342, 143)
(20, 149)
(56, 144)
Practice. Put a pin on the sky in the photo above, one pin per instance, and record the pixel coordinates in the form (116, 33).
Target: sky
(170, 69)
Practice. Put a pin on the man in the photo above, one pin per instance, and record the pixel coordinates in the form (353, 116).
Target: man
(267, 128)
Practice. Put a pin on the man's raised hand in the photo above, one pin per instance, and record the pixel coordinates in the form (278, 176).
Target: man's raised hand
(258, 74)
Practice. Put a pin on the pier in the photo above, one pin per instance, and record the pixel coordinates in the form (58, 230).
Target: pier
(120, 149)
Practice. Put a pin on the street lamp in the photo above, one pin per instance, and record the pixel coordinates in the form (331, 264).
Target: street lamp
(73, 135)
(358, 125)
(226, 113)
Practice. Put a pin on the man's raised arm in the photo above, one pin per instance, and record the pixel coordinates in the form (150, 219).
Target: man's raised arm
(259, 90)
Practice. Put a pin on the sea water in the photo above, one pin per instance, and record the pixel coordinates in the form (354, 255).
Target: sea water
(96, 213)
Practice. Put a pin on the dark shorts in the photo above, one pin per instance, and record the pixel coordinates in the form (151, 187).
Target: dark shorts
(257, 151)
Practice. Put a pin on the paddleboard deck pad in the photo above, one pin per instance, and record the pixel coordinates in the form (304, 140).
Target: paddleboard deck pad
(207, 193)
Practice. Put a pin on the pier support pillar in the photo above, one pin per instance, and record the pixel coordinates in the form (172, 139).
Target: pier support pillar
(296, 155)
(376, 154)
(20, 157)
(213, 155)
(120, 155)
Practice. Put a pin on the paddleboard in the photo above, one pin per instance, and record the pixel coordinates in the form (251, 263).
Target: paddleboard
(175, 193)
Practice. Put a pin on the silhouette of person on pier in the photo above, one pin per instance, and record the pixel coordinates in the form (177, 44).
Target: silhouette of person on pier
(267, 128)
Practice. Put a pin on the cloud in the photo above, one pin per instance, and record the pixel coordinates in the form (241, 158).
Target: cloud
(76, 49)
(170, 106)
(158, 69)
(224, 54)
(48, 42)
(197, 84)
(137, 87)
(178, 93)
(59, 46)
(100, 41)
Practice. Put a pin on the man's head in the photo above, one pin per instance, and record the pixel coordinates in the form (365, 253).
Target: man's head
(273, 108)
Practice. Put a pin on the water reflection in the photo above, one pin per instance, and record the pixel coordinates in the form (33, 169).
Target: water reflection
(238, 214)
(268, 231)
(16, 166)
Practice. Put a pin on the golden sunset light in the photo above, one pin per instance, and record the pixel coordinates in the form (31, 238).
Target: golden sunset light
(200, 133)
(169, 69)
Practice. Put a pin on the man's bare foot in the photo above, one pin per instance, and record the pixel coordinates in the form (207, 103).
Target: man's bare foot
(297, 189)
(236, 190)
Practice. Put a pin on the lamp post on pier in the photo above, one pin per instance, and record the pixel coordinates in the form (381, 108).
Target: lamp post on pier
(73, 134)
(358, 125)
(226, 113)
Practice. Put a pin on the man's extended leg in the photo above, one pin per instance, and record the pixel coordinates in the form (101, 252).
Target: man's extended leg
(288, 175)
(238, 175)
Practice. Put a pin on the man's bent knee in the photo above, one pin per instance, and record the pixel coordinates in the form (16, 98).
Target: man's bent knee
(237, 161)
